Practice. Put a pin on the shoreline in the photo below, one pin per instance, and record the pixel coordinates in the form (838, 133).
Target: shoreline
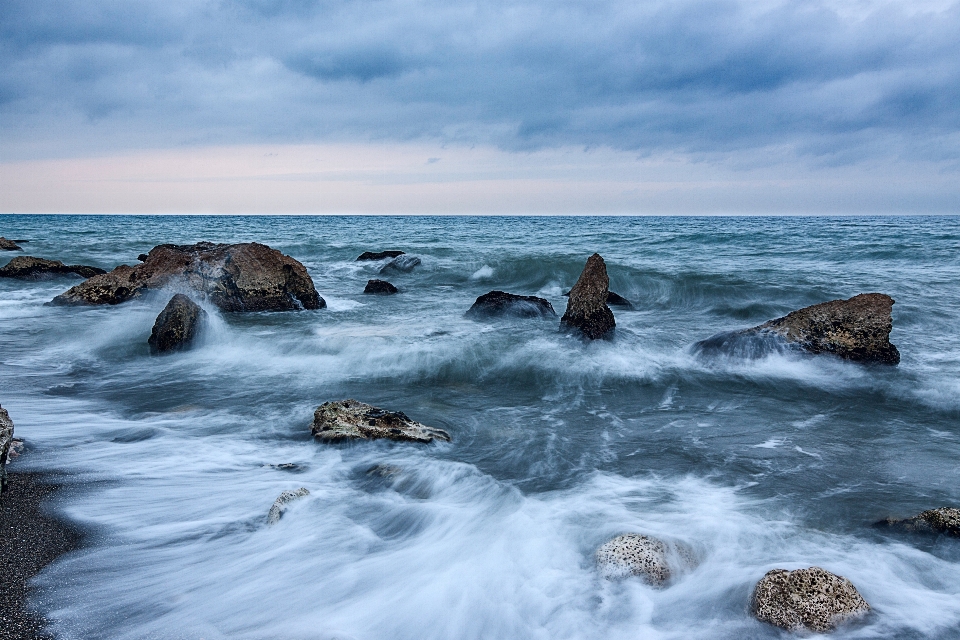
(31, 537)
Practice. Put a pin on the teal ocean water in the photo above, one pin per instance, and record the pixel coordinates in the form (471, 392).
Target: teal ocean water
(171, 463)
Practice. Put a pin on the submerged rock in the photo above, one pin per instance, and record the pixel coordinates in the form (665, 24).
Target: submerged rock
(378, 255)
(617, 300)
(236, 277)
(350, 419)
(9, 245)
(401, 264)
(653, 560)
(6, 441)
(806, 599)
(857, 329)
(177, 325)
(500, 303)
(587, 309)
(280, 504)
(945, 520)
(28, 267)
(380, 287)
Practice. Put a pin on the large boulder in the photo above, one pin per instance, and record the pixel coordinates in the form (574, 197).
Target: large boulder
(350, 419)
(587, 310)
(280, 504)
(177, 325)
(400, 264)
(500, 303)
(9, 245)
(235, 277)
(378, 255)
(28, 268)
(857, 329)
(6, 440)
(380, 287)
(806, 599)
(945, 520)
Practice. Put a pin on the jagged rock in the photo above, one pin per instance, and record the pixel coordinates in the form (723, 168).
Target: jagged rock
(587, 309)
(350, 419)
(654, 560)
(857, 329)
(6, 441)
(378, 255)
(806, 599)
(380, 287)
(9, 245)
(177, 325)
(401, 264)
(236, 277)
(28, 267)
(280, 504)
(944, 520)
(500, 303)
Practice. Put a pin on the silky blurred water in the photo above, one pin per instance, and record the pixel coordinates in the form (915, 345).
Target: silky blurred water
(171, 462)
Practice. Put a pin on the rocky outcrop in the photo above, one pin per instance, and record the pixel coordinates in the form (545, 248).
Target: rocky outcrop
(945, 520)
(235, 277)
(280, 504)
(6, 441)
(499, 303)
(653, 560)
(9, 245)
(378, 255)
(177, 325)
(380, 287)
(857, 329)
(806, 599)
(350, 419)
(400, 264)
(587, 311)
(29, 268)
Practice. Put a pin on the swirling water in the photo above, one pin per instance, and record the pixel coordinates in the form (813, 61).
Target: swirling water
(172, 462)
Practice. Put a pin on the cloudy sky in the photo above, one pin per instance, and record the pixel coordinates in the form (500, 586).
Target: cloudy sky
(505, 106)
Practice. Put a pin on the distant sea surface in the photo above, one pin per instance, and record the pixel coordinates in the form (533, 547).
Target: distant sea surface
(171, 463)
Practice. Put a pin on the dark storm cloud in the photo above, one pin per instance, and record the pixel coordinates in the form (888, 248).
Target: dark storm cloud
(835, 80)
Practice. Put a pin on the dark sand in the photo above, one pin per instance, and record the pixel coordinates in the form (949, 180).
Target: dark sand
(30, 539)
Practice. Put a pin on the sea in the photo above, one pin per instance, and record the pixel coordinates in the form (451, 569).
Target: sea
(171, 463)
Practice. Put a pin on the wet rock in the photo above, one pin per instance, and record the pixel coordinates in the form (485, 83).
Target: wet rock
(380, 287)
(280, 504)
(350, 419)
(6, 441)
(587, 310)
(617, 300)
(806, 599)
(9, 245)
(29, 268)
(653, 560)
(235, 277)
(142, 257)
(177, 325)
(400, 264)
(945, 520)
(500, 303)
(384, 471)
(378, 255)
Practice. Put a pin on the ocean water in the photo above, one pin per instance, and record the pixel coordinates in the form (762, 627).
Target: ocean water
(172, 463)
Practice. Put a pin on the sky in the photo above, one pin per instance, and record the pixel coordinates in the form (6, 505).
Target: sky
(506, 106)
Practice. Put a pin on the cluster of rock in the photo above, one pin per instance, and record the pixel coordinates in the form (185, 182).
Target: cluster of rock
(353, 420)
(31, 268)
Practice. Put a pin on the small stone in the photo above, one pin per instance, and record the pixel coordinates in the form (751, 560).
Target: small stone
(402, 264)
(500, 303)
(378, 255)
(380, 287)
(280, 504)
(177, 325)
(353, 420)
(587, 310)
(806, 599)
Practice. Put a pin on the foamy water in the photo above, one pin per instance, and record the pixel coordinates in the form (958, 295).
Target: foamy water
(172, 463)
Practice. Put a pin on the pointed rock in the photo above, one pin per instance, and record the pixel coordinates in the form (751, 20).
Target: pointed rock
(353, 420)
(587, 309)
(806, 600)
(177, 325)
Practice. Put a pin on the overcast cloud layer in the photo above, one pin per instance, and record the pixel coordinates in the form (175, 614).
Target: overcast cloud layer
(834, 82)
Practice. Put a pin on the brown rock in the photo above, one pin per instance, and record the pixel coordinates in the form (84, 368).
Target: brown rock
(500, 303)
(177, 325)
(235, 277)
(350, 419)
(9, 245)
(28, 267)
(587, 309)
(943, 520)
(806, 599)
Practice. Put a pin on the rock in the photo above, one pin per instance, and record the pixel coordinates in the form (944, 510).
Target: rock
(402, 264)
(618, 301)
(944, 520)
(350, 419)
(280, 504)
(177, 325)
(500, 303)
(806, 599)
(380, 287)
(9, 245)
(653, 560)
(235, 277)
(28, 267)
(6, 441)
(587, 309)
(379, 255)
(142, 257)
(857, 329)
